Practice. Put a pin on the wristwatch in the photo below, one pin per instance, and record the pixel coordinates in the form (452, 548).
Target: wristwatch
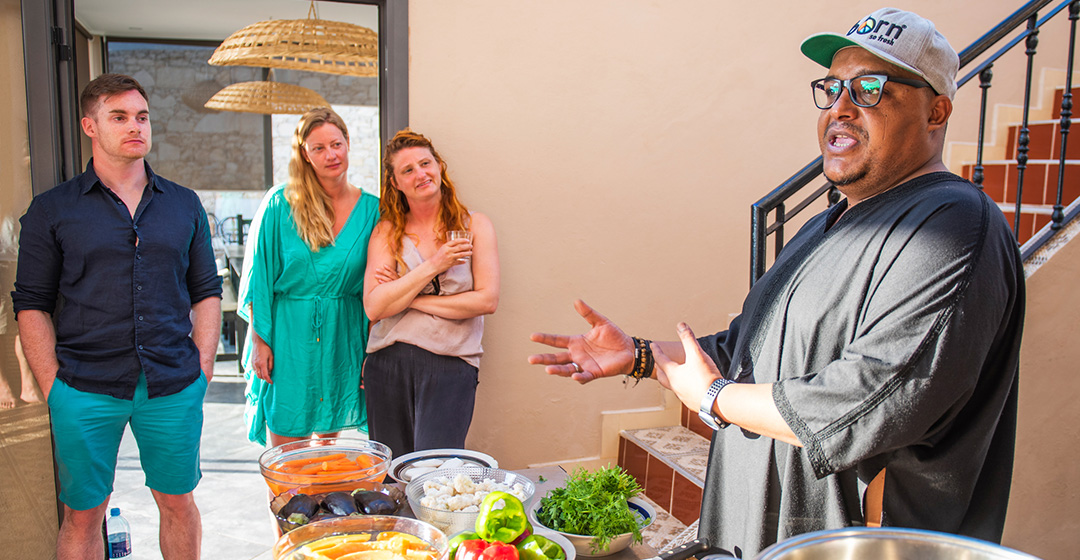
(706, 411)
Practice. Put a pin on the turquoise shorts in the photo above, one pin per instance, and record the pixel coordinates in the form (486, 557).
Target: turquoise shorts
(87, 429)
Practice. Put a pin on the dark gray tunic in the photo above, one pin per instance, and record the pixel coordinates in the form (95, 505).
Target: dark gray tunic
(893, 338)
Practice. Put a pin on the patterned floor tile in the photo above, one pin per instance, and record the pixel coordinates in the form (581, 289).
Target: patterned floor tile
(688, 534)
(664, 529)
(694, 464)
(671, 440)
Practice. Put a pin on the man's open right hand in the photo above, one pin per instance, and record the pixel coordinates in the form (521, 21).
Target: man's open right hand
(604, 351)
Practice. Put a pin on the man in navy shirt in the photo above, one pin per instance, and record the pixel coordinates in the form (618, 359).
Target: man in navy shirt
(119, 308)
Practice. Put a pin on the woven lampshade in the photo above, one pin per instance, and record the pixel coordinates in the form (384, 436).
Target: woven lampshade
(196, 95)
(311, 44)
(267, 98)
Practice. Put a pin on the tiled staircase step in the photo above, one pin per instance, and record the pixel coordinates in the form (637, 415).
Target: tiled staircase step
(1032, 161)
(1030, 223)
(1040, 181)
(670, 464)
(664, 531)
(681, 449)
(1057, 101)
(1044, 140)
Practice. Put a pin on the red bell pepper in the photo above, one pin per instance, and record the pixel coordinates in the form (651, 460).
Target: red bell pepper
(499, 551)
(471, 549)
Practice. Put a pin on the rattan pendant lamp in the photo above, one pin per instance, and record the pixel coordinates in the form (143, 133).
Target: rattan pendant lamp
(267, 98)
(311, 44)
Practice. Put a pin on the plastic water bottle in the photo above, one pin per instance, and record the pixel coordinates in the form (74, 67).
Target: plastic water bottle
(119, 533)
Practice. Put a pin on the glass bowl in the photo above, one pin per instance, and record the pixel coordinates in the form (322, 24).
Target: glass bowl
(583, 544)
(452, 522)
(293, 545)
(318, 465)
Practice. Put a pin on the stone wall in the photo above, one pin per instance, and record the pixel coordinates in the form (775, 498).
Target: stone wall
(220, 154)
(194, 146)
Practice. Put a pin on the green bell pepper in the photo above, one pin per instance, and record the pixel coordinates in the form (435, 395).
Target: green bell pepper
(536, 547)
(505, 524)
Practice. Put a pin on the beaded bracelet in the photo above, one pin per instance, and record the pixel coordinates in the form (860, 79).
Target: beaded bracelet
(643, 360)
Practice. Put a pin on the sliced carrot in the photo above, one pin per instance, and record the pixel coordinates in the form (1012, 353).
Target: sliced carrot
(345, 547)
(294, 464)
(369, 555)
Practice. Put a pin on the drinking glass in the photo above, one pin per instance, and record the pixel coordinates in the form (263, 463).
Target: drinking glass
(460, 234)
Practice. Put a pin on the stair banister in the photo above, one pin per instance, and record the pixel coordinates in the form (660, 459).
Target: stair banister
(1024, 140)
(984, 83)
(1057, 218)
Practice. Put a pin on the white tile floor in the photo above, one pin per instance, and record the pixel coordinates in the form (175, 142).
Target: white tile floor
(232, 496)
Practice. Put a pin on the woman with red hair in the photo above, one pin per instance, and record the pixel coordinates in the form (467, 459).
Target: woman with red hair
(427, 295)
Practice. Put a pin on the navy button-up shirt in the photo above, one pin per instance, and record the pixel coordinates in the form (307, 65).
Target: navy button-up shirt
(126, 284)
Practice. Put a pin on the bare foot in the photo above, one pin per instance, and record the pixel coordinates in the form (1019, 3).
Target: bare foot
(31, 394)
(7, 400)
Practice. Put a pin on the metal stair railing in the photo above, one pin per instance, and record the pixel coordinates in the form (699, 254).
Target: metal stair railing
(777, 200)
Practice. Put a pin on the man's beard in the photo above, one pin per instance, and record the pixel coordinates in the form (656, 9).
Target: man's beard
(845, 181)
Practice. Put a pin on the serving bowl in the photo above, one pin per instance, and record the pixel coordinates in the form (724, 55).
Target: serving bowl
(402, 469)
(452, 522)
(583, 544)
(296, 545)
(320, 465)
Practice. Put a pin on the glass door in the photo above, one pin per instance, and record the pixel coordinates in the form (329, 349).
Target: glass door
(26, 464)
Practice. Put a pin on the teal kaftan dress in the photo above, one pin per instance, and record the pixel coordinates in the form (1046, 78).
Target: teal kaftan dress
(308, 306)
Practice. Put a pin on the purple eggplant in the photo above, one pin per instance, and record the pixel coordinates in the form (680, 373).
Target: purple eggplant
(374, 503)
(340, 504)
(300, 509)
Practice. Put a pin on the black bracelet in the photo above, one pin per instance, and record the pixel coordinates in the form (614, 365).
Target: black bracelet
(643, 360)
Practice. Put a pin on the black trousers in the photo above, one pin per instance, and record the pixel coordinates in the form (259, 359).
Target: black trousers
(417, 399)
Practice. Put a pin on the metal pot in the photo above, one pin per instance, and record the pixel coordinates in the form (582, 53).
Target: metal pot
(856, 543)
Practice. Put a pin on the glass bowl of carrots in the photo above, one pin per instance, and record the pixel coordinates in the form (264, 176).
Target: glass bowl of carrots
(370, 536)
(318, 465)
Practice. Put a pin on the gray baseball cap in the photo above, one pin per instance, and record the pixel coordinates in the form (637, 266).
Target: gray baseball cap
(905, 39)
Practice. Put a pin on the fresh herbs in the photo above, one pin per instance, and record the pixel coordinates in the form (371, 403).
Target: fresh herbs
(593, 503)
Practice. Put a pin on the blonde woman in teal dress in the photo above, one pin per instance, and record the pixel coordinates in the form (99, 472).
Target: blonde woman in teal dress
(302, 292)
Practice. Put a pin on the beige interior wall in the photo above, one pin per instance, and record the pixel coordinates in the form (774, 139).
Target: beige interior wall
(1044, 510)
(617, 146)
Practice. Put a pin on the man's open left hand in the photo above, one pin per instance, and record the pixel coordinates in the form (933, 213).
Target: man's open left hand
(691, 379)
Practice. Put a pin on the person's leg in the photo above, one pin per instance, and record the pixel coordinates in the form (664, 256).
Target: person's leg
(87, 429)
(168, 430)
(80, 534)
(388, 392)
(31, 393)
(180, 535)
(445, 396)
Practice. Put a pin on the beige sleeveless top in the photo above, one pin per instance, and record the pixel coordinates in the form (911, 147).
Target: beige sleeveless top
(447, 337)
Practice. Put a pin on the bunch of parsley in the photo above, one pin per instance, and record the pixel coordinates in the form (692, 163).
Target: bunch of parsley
(593, 503)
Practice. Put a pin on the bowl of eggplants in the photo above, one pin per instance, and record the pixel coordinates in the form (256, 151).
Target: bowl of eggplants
(294, 509)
